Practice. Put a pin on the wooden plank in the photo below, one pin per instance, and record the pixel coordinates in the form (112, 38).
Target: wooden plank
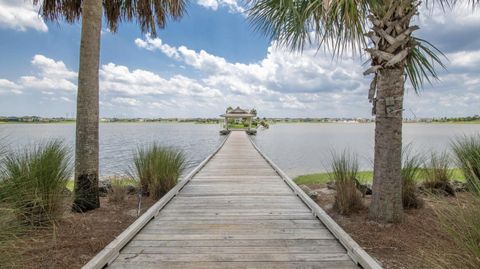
(214, 224)
(150, 235)
(222, 257)
(236, 265)
(238, 243)
(333, 248)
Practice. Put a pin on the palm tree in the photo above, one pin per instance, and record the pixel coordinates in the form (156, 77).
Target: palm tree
(341, 25)
(148, 14)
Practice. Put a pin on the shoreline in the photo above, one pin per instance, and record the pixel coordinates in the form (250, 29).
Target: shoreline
(215, 123)
(363, 177)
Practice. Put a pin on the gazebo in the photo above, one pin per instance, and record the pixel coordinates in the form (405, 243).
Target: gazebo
(238, 114)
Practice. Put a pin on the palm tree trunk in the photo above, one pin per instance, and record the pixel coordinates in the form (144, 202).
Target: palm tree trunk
(386, 205)
(86, 147)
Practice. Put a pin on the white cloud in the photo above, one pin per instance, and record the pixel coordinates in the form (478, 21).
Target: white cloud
(119, 79)
(126, 101)
(52, 76)
(20, 15)
(312, 84)
(465, 58)
(233, 5)
(66, 99)
(7, 86)
(279, 73)
(152, 44)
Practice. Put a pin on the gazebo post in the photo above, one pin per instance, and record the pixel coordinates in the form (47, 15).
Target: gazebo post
(249, 123)
(226, 123)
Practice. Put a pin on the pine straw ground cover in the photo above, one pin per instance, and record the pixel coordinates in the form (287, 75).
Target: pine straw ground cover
(416, 243)
(77, 237)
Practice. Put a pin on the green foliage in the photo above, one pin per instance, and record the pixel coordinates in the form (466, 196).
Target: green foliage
(364, 177)
(33, 183)
(344, 173)
(158, 169)
(411, 167)
(467, 153)
(421, 61)
(461, 221)
(322, 178)
(437, 174)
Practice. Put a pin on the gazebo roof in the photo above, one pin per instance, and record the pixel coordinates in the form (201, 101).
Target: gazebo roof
(238, 113)
(238, 110)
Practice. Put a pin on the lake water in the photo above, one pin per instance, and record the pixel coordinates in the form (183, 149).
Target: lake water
(296, 148)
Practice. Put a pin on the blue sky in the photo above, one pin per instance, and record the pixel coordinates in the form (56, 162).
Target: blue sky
(212, 59)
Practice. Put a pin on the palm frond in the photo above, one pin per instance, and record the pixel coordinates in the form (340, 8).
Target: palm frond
(283, 21)
(338, 25)
(421, 63)
(149, 14)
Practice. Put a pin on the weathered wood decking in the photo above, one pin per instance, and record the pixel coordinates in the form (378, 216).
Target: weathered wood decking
(237, 211)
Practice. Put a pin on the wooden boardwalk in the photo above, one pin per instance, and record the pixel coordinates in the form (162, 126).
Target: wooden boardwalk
(236, 211)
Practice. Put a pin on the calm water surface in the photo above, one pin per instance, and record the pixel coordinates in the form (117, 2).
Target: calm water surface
(306, 148)
(296, 148)
(118, 141)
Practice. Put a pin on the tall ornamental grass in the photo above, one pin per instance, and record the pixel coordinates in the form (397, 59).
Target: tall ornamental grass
(344, 172)
(158, 169)
(438, 175)
(461, 221)
(411, 167)
(467, 155)
(33, 183)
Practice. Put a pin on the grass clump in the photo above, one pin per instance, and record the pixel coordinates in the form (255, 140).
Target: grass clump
(411, 167)
(344, 173)
(119, 188)
(158, 169)
(467, 154)
(437, 175)
(461, 221)
(33, 183)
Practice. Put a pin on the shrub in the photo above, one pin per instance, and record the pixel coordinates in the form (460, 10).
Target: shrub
(467, 153)
(158, 169)
(438, 175)
(118, 191)
(344, 173)
(33, 183)
(411, 166)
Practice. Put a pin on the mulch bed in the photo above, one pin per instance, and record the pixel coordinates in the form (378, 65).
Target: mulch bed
(410, 244)
(79, 237)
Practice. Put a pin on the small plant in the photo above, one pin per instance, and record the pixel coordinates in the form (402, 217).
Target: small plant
(158, 169)
(437, 174)
(118, 191)
(411, 166)
(344, 173)
(467, 153)
(33, 183)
